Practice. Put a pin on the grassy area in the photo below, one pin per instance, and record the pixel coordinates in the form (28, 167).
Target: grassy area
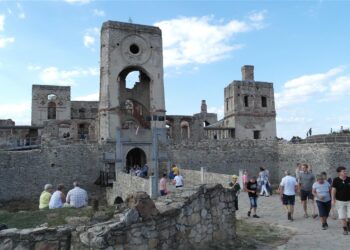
(55, 217)
(258, 235)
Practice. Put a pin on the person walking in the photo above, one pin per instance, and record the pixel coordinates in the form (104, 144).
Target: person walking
(288, 188)
(162, 185)
(306, 180)
(178, 181)
(252, 188)
(263, 180)
(321, 190)
(341, 197)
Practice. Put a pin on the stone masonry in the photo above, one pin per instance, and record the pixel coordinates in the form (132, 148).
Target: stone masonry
(190, 218)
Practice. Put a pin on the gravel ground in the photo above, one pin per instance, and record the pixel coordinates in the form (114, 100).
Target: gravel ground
(306, 233)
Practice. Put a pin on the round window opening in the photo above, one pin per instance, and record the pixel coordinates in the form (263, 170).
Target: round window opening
(134, 49)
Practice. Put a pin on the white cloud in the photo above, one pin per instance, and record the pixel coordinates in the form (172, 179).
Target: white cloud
(32, 67)
(200, 40)
(301, 89)
(89, 41)
(218, 110)
(78, 1)
(257, 16)
(2, 22)
(91, 97)
(97, 12)
(340, 86)
(21, 14)
(20, 112)
(90, 37)
(4, 41)
(55, 76)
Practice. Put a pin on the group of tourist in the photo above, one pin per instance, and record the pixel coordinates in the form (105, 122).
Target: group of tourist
(136, 170)
(326, 193)
(50, 199)
(174, 176)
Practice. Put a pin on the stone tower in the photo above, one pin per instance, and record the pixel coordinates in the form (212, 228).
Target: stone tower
(131, 115)
(50, 103)
(250, 107)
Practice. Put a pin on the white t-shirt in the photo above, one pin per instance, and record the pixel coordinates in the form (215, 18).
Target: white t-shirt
(179, 180)
(288, 183)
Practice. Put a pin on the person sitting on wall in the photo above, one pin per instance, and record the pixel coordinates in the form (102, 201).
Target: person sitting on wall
(58, 198)
(144, 171)
(77, 197)
(45, 197)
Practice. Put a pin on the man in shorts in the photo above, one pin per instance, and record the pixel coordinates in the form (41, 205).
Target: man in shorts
(288, 187)
(306, 180)
(341, 197)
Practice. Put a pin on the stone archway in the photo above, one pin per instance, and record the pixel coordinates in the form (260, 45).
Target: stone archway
(135, 156)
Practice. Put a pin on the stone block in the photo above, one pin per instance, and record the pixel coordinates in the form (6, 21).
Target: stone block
(47, 245)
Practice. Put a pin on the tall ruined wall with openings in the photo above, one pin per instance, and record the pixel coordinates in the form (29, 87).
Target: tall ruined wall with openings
(23, 174)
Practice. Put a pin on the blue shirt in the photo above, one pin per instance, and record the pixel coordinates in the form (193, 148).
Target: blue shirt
(322, 190)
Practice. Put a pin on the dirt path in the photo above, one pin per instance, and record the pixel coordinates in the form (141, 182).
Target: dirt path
(307, 231)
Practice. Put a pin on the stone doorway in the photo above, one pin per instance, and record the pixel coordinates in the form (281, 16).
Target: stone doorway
(135, 157)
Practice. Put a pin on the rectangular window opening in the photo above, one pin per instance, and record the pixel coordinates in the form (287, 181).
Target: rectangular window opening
(246, 103)
(257, 134)
(263, 101)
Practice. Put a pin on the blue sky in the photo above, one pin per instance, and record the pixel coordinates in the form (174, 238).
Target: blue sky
(302, 47)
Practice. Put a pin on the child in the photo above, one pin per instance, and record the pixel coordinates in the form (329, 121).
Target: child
(236, 188)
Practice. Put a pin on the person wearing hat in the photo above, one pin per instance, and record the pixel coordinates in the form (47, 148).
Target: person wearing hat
(236, 188)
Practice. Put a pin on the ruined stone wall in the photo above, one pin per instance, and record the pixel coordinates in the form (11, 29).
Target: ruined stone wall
(37, 238)
(230, 156)
(126, 184)
(320, 156)
(190, 218)
(23, 174)
(226, 156)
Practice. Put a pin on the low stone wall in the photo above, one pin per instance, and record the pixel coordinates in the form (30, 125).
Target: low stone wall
(189, 218)
(125, 185)
(194, 177)
(42, 238)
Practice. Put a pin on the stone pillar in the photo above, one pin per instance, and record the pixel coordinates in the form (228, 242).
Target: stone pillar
(153, 187)
(247, 73)
(118, 152)
(155, 162)
(204, 107)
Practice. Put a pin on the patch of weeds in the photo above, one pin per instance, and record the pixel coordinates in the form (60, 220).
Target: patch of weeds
(262, 234)
(54, 217)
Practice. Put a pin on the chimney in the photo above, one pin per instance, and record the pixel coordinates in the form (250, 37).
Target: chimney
(247, 73)
(204, 107)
